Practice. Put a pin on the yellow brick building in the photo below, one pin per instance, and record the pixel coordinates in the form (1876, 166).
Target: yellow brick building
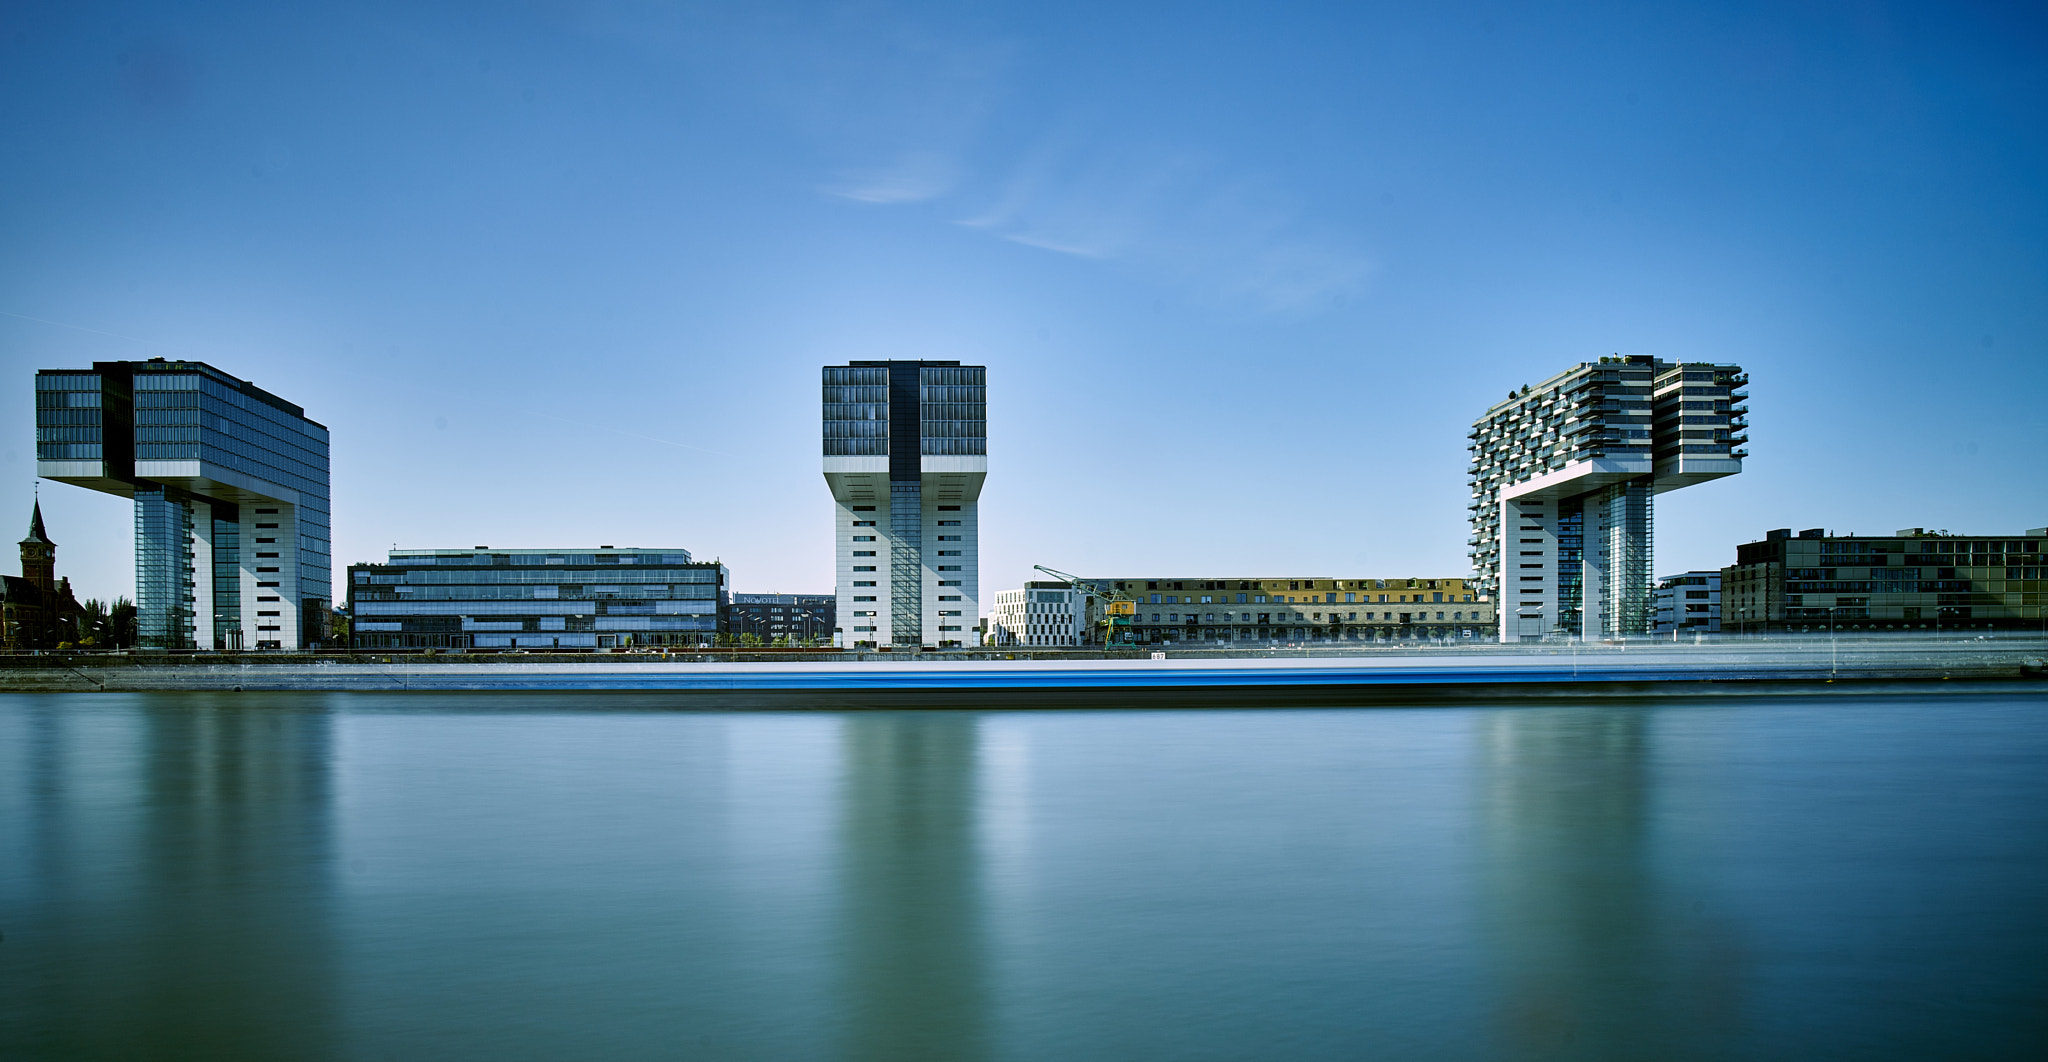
(1298, 610)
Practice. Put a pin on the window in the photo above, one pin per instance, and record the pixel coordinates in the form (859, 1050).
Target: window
(949, 597)
(1350, 599)
(870, 597)
(863, 568)
(949, 567)
(1240, 599)
(266, 527)
(1155, 597)
(863, 538)
(955, 613)
(949, 523)
(949, 553)
(864, 553)
(948, 582)
(1206, 599)
(949, 508)
(1258, 599)
(261, 541)
(864, 582)
(266, 613)
(949, 538)
(863, 523)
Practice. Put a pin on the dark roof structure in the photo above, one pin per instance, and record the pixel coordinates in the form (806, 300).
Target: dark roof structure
(35, 528)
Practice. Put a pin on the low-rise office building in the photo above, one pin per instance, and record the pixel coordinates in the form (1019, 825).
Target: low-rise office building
(1047, 613)
(1294, 610)
(1915, 579)
(1688, 603)
(563, 599)
(796, 618)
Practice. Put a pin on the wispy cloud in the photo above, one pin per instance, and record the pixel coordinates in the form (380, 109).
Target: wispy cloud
(1170, 212)
(910, 112)
(914, 178)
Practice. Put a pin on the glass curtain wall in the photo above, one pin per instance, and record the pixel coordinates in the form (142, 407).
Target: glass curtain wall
(163, 570)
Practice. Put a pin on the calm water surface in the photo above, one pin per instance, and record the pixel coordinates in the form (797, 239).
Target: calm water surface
(519, 876)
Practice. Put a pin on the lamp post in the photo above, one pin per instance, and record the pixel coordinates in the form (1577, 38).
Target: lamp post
(1831, 641)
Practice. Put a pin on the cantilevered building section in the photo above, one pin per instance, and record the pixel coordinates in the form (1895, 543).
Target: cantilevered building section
(230, 490)
(906, 450)
(1563, 475)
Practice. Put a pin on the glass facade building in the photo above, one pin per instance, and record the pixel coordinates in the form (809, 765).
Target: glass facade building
(230, 485)
(906, 452)
(1915, 580)
(535, 599)
(793, 618)
(1564, 475)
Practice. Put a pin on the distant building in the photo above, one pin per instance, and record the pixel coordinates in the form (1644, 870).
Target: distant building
(230, 490)
(1563, 475)
(567, 599)
(796, 617)
(1047, 613)
(1689, 603)
(1294, 610)
(1914, 579)
(906, 451)
(37, 610)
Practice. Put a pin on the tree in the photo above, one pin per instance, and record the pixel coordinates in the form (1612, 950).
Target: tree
(121, 624)
(92, 623)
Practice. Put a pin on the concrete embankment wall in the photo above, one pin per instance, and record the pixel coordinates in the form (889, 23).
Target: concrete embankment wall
(988, 679)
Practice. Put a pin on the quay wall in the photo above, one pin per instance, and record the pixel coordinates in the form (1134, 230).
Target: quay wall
(1076, 679)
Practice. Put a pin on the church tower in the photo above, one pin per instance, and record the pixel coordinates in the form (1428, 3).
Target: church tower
(39, 555)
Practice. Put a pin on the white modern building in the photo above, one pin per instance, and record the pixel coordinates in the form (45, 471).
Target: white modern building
(1045, 614)
(906, 451)
(1563, 477)
(1689, 603)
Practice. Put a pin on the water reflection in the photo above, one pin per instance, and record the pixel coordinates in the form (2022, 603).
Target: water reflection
(914, 976)
(1597, 956)
(176, 881)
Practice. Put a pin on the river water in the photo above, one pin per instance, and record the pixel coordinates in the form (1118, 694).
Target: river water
(537, 876)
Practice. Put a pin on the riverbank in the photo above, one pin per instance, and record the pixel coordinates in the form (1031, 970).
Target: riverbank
(841, 680)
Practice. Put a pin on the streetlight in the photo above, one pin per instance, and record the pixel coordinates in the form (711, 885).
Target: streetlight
(1831, 641)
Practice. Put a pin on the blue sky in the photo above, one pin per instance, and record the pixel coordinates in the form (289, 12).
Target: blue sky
(1243, 275)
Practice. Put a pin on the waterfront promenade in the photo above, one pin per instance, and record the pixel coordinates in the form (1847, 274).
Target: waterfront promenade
(1026, 679)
